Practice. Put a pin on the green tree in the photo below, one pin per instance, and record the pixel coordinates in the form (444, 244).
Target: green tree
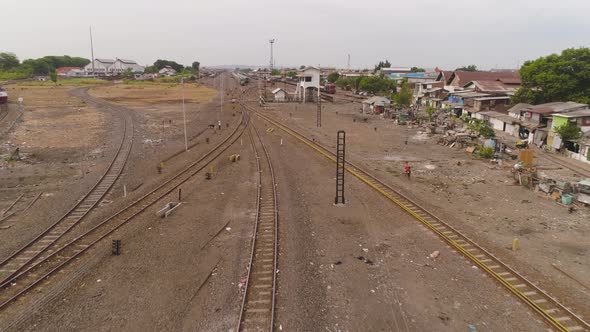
(159, 64)
(403, 98)
(291, 74)
(468, 68)
(333, 77)
(564, 77)
(377, 85)
(127, 74)
(275, 72)
(195, 66)
(8, 61)
(53, 76)
(383, 64)
(569, 131)
(417, 70)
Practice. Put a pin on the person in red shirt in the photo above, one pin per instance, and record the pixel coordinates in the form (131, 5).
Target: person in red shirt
(407, 170)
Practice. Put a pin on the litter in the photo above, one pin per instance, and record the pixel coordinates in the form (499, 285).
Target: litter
(228, 229)
(98, 280)
(435, 254)
(472, 327)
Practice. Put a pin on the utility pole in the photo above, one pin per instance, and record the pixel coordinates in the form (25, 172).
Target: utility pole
(319, 113)
(340, 166)
(184, 116)
(92, 51)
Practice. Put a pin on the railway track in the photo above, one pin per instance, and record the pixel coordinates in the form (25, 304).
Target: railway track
(556, 160)
(64, 252)
(555, 314)
(257, 310)
(33, 251)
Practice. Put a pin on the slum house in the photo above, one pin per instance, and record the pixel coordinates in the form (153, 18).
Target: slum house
(375, 105)
(499, 121)
(576, 149)
(462, 102)
(536, 119)
(460, 78)
(425, 92)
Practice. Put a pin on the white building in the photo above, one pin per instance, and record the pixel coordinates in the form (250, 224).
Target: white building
(122, 65)
(110, 67)
(279, 94)
(167, 71)
(309, 84)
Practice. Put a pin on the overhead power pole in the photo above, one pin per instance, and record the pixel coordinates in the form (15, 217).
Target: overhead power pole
(92, 51)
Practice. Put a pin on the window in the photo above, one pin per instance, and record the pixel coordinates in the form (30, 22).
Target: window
(307, 78)
(586, 121)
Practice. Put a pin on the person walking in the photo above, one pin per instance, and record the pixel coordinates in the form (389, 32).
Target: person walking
(407, 169)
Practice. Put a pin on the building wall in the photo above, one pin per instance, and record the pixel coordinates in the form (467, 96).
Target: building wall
(497, 124)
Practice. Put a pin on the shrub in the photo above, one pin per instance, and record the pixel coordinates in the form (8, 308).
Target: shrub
(486, 152)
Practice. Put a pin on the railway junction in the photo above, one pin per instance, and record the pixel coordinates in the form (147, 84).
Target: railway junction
(252, 239)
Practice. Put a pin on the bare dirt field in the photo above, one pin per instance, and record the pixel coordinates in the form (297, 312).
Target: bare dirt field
(64, 145)
(472, 195)
(138, 94)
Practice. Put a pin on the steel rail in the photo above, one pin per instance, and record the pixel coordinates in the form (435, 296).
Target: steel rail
(258, 304)
(552, 311)
(77, 246)
(19, 259)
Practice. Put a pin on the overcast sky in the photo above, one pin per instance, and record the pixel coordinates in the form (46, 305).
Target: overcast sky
(426, 33)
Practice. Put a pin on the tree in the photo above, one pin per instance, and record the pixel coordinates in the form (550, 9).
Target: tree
(8, 61)
(53, 76)
(377, 85)
(195, 66)
(291, 74)
(569, 131)
(417, 70)
(404, 97)
(382, 64)
(564, 77)
(275, 72)
(128, 73)
(468, 68)
(333, 77)
(159, 64)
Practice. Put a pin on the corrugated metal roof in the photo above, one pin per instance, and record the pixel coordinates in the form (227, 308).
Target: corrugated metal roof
(574, 114)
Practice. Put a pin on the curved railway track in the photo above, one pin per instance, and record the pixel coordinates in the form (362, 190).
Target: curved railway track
(64, 253)
(555, 314)
(257, 310)
(556, 160)
(34, 250)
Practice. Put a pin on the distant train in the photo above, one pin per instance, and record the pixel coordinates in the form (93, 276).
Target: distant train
(243, 79)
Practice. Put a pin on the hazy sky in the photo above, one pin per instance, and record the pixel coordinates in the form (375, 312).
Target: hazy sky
(427, 33)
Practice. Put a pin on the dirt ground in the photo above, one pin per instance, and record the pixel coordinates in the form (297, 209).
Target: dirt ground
(363, 266)
(64, 144)
(138, 94)
(475, 196)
